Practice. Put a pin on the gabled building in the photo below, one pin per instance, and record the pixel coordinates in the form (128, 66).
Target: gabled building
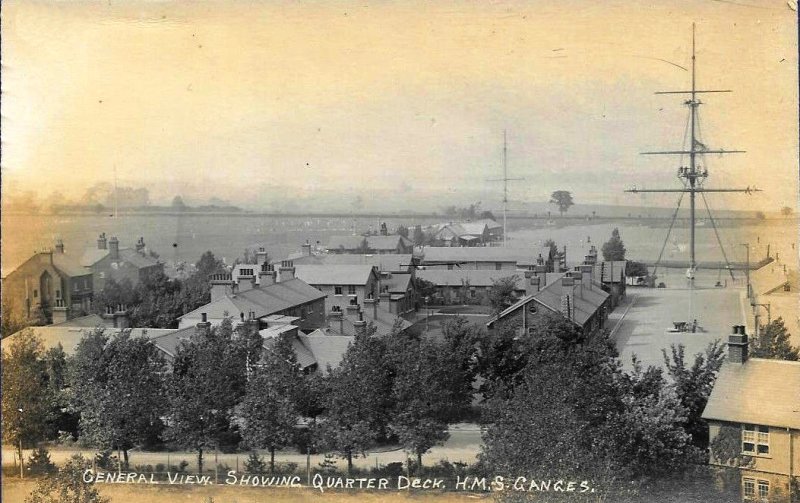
(486, 257)
(753, 415)
(343, 284)
(574, 296)
(243, 300)
(385, 263)
(51, 281)
(109, 261)
(370, 244)
(462, 234)
(458, 286)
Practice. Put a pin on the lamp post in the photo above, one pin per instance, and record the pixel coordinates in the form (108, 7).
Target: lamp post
(747, 272)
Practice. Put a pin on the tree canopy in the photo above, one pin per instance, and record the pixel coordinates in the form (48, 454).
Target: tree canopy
(563, 200)
(614, 248)
(118, 389)
(773, 341)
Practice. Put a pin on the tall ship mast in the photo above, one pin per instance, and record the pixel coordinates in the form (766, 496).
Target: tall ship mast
(694, 175)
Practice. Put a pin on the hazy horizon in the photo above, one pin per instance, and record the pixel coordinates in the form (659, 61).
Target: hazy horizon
(379, 107)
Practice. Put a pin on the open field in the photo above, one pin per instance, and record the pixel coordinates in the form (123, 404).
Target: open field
(463, 446)
(186, 237)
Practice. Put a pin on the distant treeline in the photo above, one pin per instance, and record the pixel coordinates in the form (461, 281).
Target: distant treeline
(99, 209)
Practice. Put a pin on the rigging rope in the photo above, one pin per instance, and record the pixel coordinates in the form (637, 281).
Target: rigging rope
(716, 233)
(671, 224)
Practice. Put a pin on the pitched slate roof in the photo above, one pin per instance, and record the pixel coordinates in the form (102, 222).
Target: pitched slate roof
(91, 256)
(479, 277)
(88, 321)
(387, 242)
(473, 228)
(771, 278)
(585, 301)
(346, 242)
(391, 262)
(168, 343)
(137, 259)
(326, 349)
(262, 300)
(612, 271)
(69, 337)
(340, 274)
(435, 254)
(69, 265)
(397, 283)
(765, 392)
(491, 224)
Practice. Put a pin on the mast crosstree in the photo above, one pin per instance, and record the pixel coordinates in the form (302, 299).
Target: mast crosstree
(505, 181)
(693, 176)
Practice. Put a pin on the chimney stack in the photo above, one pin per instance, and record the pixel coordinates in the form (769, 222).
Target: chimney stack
(204, 323)
(360, 325)
(737, 345)
(246, 280)
(337, 316)
(266, 276)
(371, 301)
(307, 249)
(261, 255)
(101, 242)
(140, 245)
(59, 246)
(286, 271)
(113, 248)
(221, 285)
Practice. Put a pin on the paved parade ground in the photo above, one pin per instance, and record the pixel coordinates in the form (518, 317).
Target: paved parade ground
(648, 314)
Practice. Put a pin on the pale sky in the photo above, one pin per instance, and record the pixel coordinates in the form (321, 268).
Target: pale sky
(404, 103)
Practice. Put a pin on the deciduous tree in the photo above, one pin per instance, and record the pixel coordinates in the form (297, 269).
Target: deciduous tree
(562, 199)
(502, 293)
(268, 412)
(27, 402)
(208, 380)
(693, 384)
(359, 398)
(118, 390)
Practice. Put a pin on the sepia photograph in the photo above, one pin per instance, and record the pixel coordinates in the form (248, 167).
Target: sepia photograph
(387, 251)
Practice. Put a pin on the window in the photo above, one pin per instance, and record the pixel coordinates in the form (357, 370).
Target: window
(351, 289)
(472, 293)
(763, 489)
(755, 440)
(102, 275)
(58, 294)
(35, 293)
(755, 489)
(75, 286)
(449, 267)
(749, 487)
(498, 265)
(337, 290)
